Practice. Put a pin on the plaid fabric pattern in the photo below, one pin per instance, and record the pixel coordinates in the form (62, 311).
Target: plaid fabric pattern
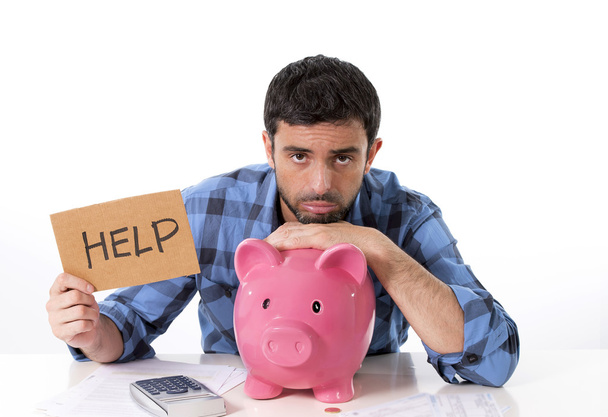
(226, 209)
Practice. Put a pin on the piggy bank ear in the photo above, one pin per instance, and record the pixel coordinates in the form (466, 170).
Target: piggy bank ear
(346, 257)
(252, 252)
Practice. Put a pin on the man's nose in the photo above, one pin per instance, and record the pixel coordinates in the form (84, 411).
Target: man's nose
(321, 181)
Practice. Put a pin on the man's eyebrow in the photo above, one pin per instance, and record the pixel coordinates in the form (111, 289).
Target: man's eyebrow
(296, 149)
(348, 150)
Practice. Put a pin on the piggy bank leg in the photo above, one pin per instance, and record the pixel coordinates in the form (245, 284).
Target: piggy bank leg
(337, 392)
(261, 390)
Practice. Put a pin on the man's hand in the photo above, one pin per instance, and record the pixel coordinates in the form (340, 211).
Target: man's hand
(294, 235)
(73, 311)
(74, 318)
(374, 245)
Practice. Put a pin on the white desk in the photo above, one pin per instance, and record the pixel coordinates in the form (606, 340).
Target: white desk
(549, 383)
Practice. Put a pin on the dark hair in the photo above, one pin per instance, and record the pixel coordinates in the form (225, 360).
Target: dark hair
(321, 89)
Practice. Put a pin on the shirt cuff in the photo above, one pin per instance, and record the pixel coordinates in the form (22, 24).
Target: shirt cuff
(479, 336)
(77, 354)
(134, 345)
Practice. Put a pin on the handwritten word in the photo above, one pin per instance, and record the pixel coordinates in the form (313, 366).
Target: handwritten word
(116, 240)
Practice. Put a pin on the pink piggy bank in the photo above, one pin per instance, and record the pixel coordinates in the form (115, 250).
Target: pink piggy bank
(303, 318)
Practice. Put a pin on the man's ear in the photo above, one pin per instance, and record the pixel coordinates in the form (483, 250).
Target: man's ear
(373, 151)
(268, 148)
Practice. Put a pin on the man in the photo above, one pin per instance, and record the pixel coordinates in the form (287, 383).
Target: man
(318, 189)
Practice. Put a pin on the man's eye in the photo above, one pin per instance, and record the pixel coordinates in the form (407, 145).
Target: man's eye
(343, 159)
(298, 157)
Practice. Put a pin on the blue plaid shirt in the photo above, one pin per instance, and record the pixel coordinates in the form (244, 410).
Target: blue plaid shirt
(226, 209)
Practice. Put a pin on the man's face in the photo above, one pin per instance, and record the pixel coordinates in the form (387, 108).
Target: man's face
(319, 169)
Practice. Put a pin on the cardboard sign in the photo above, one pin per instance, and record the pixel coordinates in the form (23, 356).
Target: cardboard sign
(127, 242)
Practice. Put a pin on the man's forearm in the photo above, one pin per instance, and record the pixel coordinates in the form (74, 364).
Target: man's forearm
(108, 345)
(429, 305)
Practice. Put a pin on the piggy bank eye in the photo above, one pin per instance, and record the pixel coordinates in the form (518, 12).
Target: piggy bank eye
(266, 303)
(316, 306)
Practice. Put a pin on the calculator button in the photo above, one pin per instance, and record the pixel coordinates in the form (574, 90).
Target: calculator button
(169, 385)
(177, 391)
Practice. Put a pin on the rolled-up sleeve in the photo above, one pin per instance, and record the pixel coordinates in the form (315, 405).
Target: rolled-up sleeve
(491, 341)
(491, 345)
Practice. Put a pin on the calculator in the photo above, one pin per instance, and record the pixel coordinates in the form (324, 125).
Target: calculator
(177, 396)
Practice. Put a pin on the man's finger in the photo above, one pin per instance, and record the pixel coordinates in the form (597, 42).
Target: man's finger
(65, 282)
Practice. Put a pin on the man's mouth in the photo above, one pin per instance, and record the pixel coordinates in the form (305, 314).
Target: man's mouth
(318, 207)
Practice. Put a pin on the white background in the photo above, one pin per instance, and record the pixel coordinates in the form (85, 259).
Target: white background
(496, 110)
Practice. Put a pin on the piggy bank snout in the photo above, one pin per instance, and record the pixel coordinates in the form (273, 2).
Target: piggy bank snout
(288, 345)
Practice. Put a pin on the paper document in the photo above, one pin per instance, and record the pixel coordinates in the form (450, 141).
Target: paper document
(106, 391)
(426, 405)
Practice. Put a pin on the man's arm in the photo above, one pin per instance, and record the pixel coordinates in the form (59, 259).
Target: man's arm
(429, 305)
(488, 340)
(123, 326)
(74, 318)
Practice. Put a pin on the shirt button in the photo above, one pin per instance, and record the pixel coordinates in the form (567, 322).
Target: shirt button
(472, 358)
(228, 293)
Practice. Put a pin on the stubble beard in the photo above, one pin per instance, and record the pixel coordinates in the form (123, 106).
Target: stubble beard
(309, 218)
